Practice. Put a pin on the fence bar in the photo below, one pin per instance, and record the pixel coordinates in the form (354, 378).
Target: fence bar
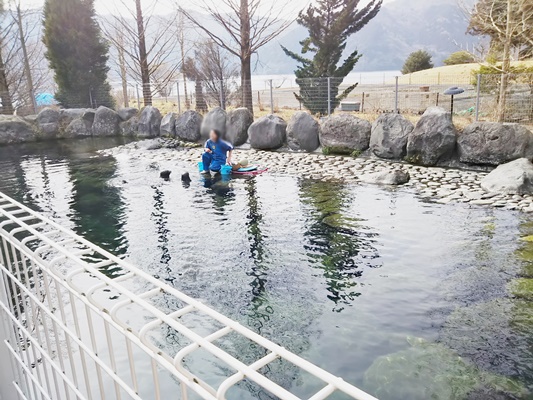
(60, 276)
(179, 99)
(329, 95)
(396, 97)
(478, 98)
(222, 95)
(271, 97)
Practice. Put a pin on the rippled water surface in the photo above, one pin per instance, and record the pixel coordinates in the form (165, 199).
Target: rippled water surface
(406, 299)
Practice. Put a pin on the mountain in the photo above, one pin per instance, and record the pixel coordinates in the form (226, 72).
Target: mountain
(401, 27)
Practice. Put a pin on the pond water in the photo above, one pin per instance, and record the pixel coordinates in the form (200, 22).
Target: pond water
(403, 298)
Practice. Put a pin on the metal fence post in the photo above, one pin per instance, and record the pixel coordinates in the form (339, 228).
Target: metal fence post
(7, 390)
(478, 98)
(138, 97)
(396, 97)
(222, 95)
(329, 96)
(179, 99)
(271, 98)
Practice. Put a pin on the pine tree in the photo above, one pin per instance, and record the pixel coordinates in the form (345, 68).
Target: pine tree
(77, 53)
(329, 23)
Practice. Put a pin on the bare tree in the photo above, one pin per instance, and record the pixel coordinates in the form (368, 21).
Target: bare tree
(26, 60)
(182, 43)
(190, 71)
(247, 25)
(509, 24)
(216, 71)
(147, 43)
(5, 95)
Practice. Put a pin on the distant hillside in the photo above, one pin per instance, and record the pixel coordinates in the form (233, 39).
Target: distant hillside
(401, 27)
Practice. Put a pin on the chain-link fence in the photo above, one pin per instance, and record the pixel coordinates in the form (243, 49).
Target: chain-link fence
(408, 94)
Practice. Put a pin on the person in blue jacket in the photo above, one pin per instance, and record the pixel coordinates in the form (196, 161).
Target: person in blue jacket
(217, 153)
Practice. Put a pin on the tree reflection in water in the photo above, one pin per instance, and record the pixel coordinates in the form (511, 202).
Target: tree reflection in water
(336, 244)
(98, 209)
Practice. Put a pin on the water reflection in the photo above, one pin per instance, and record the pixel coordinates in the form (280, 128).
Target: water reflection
(335, 243)
(160, 217)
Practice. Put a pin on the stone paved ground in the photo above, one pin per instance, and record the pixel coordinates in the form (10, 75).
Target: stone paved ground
(436, 184)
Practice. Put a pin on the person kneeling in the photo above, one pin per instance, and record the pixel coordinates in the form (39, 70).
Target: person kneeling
(217, 153)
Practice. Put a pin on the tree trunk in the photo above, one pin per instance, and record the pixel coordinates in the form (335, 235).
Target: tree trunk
(246, 58)
(7, 105)
(182, 49)
(201, 105)
(27, 68)
(145, 71)
(506, 64)
(122, 67)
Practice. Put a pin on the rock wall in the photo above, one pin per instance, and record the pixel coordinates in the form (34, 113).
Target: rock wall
(434, 141)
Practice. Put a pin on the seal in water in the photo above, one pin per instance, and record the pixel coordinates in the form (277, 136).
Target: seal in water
(185, 177)
(165, 175)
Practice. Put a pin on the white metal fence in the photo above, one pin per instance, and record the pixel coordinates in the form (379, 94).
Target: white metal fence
(79, 323)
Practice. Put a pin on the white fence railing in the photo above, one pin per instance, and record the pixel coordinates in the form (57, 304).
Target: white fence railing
(79, 323)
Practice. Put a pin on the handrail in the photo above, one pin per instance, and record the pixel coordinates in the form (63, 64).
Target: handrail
(47, 289)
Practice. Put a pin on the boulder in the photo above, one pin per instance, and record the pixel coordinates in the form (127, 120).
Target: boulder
(237, 123)
(79, 127)
(188, 126)
(168, 125)
(493, 143)
(106, 122)
(129, 127)
(515, 177)
(14, 129)
(433, 139)
(127, 113)
(345, 133)
(67, 115)
(389, 136)
(48, 123)
(267, 133)
(303, 132)
(214, 119)
(149, 122)
(395, 177)
(89, 115)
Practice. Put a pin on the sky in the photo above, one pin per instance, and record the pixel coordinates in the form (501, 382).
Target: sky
(111, 6)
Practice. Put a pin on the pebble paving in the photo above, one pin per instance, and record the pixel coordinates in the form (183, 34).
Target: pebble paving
(440, 185)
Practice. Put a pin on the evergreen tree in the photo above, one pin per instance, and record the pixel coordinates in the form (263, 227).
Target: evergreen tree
(77, 53)
(329, 23)
(417, 61)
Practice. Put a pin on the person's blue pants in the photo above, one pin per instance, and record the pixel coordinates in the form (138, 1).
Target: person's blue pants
(210, 163)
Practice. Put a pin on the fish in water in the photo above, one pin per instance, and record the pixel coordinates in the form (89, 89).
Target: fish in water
(165, 175)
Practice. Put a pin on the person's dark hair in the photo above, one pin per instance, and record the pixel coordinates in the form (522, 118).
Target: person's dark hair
(217, 133)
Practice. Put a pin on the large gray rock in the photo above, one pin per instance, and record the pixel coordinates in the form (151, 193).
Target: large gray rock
(48, 123)
(237, 123)
(396, 177)
(67, 115)
(345, 133)
(14, 129)
(267, 133)
(79, 127)
(433, 139)
(168, 125)
(389, 136)
(303, 132)
(129, 127)
(494, 143)
(515, 177)
(214, 119)
(149, 122)
(127, 113)
(106, 122)
(188, 126)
